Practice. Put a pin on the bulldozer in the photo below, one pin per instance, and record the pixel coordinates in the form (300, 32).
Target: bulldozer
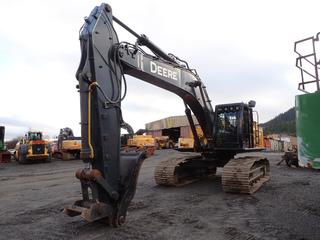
(32, 148)
(5, 155)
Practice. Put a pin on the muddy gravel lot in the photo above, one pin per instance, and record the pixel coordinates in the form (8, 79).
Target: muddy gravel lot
(32, 197)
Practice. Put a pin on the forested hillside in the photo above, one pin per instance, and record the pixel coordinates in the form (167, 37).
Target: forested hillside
(283, 123)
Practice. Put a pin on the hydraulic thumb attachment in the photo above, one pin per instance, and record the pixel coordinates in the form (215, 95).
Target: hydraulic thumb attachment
(108, 182)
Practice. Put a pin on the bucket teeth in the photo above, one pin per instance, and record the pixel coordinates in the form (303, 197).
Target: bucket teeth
(245, 175)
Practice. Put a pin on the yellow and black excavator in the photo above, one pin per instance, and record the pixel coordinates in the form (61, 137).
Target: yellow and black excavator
(68, 146)
(109, 178)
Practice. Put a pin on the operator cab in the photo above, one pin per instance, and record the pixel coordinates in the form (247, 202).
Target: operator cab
(234, 126)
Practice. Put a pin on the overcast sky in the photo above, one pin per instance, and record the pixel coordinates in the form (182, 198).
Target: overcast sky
(242, 50)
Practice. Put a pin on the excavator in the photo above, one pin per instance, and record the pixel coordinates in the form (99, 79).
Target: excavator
(109, 177)
(68, 146)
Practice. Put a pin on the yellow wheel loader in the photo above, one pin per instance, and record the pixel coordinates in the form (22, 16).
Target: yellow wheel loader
(32, 148)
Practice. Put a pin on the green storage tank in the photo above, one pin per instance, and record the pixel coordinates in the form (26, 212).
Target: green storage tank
(2, 148)
(308, 129)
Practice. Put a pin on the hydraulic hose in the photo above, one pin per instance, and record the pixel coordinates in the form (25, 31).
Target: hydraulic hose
(89, 119)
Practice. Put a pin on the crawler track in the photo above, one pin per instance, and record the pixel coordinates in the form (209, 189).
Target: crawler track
(240, 175)
(165, 173)
(245, 175)
(176, 172)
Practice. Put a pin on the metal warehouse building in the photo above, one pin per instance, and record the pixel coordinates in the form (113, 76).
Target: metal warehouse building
(174, 127)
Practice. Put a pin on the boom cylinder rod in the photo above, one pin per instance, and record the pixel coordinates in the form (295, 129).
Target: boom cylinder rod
(143, 40)
(125, 27)
(197, 143)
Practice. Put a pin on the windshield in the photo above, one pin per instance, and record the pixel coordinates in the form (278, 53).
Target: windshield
(228, 122)
(34, 136)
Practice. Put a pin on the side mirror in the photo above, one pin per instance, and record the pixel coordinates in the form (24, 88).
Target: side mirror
(252, 103)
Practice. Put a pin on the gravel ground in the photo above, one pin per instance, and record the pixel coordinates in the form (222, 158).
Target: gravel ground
(287, 207)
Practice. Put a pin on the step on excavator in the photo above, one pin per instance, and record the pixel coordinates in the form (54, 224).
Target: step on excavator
(109, 178)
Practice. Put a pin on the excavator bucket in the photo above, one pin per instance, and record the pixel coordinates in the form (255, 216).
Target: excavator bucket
(91, 209)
